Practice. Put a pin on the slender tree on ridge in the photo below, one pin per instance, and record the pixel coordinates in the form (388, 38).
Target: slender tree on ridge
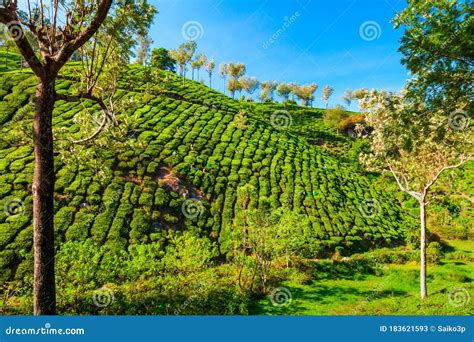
(183, 55)
(223, 72)
(327, 93)
(143, 52)
(210, 66)
(249, 84)
(284, 91)
(347, 97)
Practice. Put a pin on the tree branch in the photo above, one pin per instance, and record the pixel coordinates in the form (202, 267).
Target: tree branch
(93, 135)
(8, 17)
(87, 96)
(435, 178)
(405, 189)
(82, 37)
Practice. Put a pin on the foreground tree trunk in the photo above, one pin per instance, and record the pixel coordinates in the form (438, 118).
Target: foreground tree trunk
(43, 199)
(423, 249)
(57, 39)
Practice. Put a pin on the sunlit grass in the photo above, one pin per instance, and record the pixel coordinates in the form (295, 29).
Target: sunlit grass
(394, 292)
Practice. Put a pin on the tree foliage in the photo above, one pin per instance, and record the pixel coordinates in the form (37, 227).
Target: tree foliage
(183, 54)
(438, 49)
(327, 93)
(160, 58)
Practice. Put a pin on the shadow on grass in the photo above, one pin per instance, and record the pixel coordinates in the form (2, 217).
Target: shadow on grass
(350, 270)
(333, 297)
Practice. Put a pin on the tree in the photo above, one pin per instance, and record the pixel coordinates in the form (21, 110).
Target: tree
(334, 116)
(438, 50)
(223, 72)
(284, 90)
(417, 145)
(194, 66)
(143, 52)
(58, 38)
(234, 85)
(347, 97)
(305, 93)
(263, 235)
(327, 93)
(183, 54)
(249, 84)
(267, 89)
(425, 131)
(198, 63)
(236, 70)
(161, 59)
(295, 89)
(201, 60)
(210, 66)
(255, 233)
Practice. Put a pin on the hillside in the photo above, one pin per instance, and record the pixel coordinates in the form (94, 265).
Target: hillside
(9, 59)
(182, 151)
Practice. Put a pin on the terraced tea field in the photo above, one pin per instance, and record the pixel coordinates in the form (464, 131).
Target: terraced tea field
(178, 166)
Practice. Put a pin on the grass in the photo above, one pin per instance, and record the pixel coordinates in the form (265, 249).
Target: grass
(395, 291)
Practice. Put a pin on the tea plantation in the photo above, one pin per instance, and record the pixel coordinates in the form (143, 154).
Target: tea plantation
(179, 166)
(150, 207)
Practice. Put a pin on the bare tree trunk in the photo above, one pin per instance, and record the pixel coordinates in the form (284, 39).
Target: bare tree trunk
(423, 249)
(43, 199)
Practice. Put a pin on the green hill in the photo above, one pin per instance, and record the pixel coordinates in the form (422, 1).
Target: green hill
(182, 144)
(151, 209)
(9, 59)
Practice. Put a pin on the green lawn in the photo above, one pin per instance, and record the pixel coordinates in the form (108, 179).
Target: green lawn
(395, 291)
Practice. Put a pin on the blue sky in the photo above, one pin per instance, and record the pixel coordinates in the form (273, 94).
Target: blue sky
(344, 43)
